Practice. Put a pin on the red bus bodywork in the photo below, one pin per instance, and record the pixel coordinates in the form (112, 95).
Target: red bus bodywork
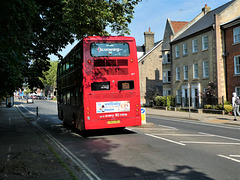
(109, 87)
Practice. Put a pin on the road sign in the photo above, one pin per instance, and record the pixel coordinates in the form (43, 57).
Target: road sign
(143, 115)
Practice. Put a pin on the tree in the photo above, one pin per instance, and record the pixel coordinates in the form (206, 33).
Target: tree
(50, 77)
(31, 30)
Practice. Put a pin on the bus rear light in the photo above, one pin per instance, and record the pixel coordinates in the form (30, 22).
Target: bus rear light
(131, 60)
(137, 110)
(137, 114)
(137, 105)
(88, 108)
(88, 118)
(89, 61)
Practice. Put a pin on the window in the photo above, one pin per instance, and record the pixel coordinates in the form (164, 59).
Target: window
(204, 42)
(166, 58)
(194, 46)
(178, 94)
(205, 69)
(177, 51)
(236, 35)
(237, 90)
(185, 70)
(185, 52)
(98, 86)
(166, 76)
(195, 71)
(237, 65)
(177, 73)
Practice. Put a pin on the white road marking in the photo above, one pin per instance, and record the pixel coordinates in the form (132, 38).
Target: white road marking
(224, 137)
(169, 127)
(213, 143)
(9, 153)
(236, 160)
(28, 110)
(238, 156)
(166, 139)
(90, 174)
(185, 135)
(198, 123)
(9, 120)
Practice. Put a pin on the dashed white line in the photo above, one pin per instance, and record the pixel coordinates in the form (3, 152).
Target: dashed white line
(238, 156)
(226, 157)
(185, 135)
(213, 143)
(166, 139)
(224, 137)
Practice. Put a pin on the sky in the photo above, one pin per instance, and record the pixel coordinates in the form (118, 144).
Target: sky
(154, 14)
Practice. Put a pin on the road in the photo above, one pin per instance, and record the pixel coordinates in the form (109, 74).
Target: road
(166, 148)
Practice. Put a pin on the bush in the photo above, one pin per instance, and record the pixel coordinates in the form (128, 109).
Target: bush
(161, 101)
(219, 107)
(207, 107)
(228, 108)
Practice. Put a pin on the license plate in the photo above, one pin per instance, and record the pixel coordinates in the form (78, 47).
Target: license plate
(114, 122)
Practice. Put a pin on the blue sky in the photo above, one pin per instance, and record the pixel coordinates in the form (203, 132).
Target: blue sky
(154, 14)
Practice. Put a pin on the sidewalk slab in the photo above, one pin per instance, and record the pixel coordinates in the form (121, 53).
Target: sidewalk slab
(23, 152)
(203, 117)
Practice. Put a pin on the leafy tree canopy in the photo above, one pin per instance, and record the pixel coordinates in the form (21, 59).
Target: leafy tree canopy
(33, 29)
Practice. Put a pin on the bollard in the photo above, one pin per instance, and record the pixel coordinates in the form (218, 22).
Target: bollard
(36, 111)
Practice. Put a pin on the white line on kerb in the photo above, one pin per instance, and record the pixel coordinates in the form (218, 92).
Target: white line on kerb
(90, 174)
(229, 158)
(9, 153)
(166, 139)
(28, 110)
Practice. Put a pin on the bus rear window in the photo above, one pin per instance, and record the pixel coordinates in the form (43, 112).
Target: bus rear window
(109, 49)
(125, 85)
(98, 86)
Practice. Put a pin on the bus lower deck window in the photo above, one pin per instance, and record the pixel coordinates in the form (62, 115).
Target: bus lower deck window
(98, 86)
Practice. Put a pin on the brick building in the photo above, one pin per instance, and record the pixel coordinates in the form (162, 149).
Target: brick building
(232, 56)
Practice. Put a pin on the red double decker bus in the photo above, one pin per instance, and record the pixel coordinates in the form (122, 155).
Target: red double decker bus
(98, 84)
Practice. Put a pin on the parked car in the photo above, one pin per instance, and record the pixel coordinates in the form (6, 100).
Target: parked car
(30, 100)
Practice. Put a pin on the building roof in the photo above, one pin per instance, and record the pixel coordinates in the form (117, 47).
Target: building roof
(203, 23)
(177, 25)
(141, 48)
(156, 44)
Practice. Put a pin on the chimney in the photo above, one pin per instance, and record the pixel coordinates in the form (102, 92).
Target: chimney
(206, 9)
(149, 40)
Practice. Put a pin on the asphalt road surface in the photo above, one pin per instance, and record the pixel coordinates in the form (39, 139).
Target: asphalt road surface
(165, 148)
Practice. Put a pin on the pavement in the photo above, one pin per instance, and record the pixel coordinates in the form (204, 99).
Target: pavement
(26, 154)
(203, 117)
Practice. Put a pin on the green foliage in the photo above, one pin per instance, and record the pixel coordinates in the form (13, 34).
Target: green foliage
(50, 76)
(228, 108)
(207, 107)
(227, 103)
(31, 30)
(219, 107)
(161, 101)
